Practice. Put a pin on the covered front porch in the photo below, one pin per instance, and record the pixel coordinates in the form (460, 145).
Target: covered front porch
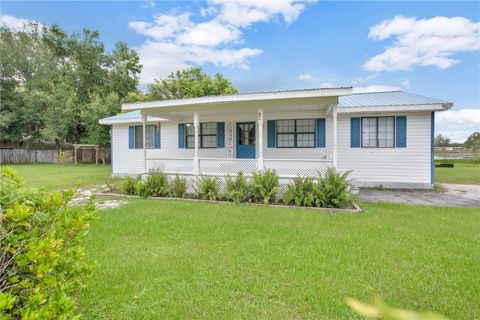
(250, 136)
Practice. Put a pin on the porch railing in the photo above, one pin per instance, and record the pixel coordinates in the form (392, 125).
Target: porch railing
(286, 168)
(170, 165)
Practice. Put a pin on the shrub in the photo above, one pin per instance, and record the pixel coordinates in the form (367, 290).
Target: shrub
(207, 188)
(238, 190)
(128, 185)
(156, 185)
(265, 186)
(178, 187)
(301, 192)
(41, 258)
(333, 190)
(63, 156)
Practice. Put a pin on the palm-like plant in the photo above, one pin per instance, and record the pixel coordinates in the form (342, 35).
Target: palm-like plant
(265, 186)
(301, 192)
(333, 190)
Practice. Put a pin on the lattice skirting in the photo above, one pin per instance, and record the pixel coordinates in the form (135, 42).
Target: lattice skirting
(285, 180)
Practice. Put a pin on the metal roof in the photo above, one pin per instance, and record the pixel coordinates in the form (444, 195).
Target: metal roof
(391, 98)
(124, 116)
(256, 96)
(127, 117)
(355, 102)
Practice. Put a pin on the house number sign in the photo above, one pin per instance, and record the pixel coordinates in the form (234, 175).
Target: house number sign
(229, 139)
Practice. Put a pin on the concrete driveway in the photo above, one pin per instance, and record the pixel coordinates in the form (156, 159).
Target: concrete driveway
(455, 195)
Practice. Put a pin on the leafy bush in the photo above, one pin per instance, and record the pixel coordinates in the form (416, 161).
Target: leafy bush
(301, 192)
(333, 190)
(207, 188)
(265, 186)
(178, 187)
(41, 259)
(156, 185)
(128, 185)
(238, 190)
(463, 161)
(63, 156)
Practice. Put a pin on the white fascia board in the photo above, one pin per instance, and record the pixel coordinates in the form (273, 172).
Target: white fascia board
(401, 108)
(333, 92)
(131, 120)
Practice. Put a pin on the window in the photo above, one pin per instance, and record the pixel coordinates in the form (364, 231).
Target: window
(378, 132)
(207, 135)
(149, 137)
(296, 133)
(190, 135)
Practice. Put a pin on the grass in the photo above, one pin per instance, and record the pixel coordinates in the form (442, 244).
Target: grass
(182, 260)
(462, 173)
(63, 176)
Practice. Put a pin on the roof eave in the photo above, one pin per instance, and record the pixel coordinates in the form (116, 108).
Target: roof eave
(107, 121)
(397, 108)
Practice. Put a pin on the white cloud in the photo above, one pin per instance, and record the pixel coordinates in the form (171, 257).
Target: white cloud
(211, 33)
(164, 27)
(375, 88)
(405, 82)
(305, 77)
(245, 13)
(359, 80)
(12, 22)
(176, 42)
(423, 42)
(327, 84)
(148, 4)
(457, 125)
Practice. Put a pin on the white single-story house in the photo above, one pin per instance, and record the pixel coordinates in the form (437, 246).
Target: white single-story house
(385, 138)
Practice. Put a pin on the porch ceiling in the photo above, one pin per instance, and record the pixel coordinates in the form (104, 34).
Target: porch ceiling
(243, 107)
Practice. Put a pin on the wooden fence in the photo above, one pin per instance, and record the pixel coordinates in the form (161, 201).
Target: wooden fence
(14, 156)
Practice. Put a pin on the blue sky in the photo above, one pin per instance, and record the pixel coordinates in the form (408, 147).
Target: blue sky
(430, 48)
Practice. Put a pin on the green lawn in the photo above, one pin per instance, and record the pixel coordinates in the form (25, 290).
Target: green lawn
(63, 176)
(183, 260)
(463, 173)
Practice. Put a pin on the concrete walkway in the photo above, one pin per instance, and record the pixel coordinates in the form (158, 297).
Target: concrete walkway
(455, 195)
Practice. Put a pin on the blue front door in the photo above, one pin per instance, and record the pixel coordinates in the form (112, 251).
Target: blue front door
(246, 140)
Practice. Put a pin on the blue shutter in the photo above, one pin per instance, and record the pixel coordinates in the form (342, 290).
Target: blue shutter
(320, 133)
(221, 134)
(157, 137)
(354, 132)
(131, 137)
(271, 134)
(401, 132)
(181, 135)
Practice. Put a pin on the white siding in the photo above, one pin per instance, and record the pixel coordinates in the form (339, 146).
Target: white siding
(124, 160)
(408, 165)
(400, 165)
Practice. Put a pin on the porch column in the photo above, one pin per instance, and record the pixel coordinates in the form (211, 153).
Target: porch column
(144, 129)
(260, 139)
(196, 125)
(334, 153)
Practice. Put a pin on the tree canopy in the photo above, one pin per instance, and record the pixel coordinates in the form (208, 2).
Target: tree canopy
(473, 141)
(442, 141)
(55, 86)
(187, 83)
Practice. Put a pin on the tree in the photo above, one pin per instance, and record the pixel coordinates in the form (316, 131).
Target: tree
(190, 83)
(442, 141)
(99, 107)
(473, 141)
(50, 80)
